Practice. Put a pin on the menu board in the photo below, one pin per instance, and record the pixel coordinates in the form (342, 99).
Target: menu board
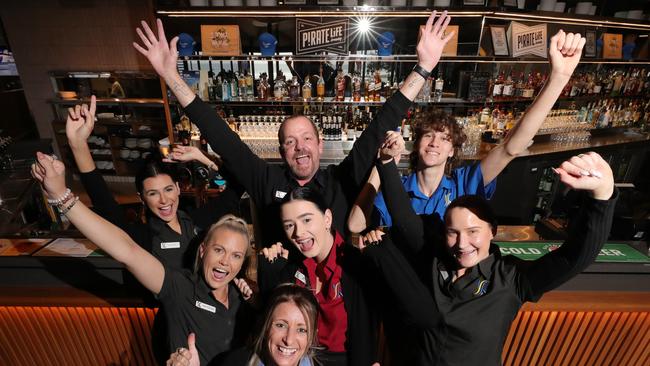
(69, 247)
(18, 247)
(478, 86)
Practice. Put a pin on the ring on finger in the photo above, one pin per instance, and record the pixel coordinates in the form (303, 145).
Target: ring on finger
(581, 155)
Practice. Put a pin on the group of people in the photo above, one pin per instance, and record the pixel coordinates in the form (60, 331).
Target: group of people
(435, 274)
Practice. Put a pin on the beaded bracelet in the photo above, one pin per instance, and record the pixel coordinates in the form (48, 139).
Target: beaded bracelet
(69, 207)
(59, 201)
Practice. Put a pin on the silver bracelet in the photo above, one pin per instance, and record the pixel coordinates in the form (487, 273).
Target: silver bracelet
(60, 200)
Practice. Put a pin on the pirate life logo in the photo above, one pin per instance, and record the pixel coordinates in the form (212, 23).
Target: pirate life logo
(314, 37)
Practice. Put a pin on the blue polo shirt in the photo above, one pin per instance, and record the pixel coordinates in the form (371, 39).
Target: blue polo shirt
(464, 180)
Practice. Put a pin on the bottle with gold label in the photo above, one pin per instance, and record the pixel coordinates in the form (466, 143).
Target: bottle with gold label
(340, 85)
(263, 88)
(306, 90)
(356, 87)
(320, 86)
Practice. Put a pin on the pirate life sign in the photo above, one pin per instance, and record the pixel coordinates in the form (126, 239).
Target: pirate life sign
(528, 40)
(313, 36)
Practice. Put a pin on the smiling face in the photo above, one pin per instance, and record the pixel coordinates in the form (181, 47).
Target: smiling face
(308, 228)
(222, 255)
(300, 147)
(160, 194)
(288, 336)
(434, 148)
(468, 237)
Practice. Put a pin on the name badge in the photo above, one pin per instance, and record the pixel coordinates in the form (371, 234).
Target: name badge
(280, 194)
(170, 245)
(204, 306)
(301, 277)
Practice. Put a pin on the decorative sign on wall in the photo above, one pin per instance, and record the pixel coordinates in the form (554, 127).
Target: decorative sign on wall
(313, 36)
(527, 40)
(220, 40)
(612, 45)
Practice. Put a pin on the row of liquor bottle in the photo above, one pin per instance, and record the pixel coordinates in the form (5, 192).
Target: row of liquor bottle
(611, 82)
(242, 87)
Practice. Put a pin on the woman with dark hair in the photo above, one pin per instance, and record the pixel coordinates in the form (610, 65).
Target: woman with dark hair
(286, 336)
(169, 233)
(463, 310)
(335, 272)
(438, 138)
(205, 301)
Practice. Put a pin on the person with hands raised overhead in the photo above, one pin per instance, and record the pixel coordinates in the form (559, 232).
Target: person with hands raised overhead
(204, 301)
(438, 138)
(464, 309)
(299, 141)
(336, 273)
(286, 335)
(169, 233)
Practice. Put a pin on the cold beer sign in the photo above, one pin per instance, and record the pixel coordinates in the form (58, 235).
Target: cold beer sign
(314, 37)
(527, 40)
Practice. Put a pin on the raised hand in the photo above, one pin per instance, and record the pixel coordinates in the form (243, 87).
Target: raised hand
(161, 55)
(185, 356)
(51, 174)
(564, 52)
(274, 251)
(433, 40)
(392, 147)
(80, 123)
(371, 238)
(589, 172)
(186, 153)
(244, 288)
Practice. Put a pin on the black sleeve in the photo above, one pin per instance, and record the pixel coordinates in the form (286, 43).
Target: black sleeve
(587, 234)
(411, 295)
(104, 204)
(406, 223)
(272, 274)
(246, 167)
(360, 159)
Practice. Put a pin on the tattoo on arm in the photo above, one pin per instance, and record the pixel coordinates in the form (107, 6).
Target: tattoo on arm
(178, 88)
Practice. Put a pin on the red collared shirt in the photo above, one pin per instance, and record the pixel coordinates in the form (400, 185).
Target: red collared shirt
(333, 319)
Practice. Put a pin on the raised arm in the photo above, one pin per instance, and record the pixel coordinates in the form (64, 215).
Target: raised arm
(144, 266)
(587, 232)
(412, 296)
(429, 49)
(564, 53)
(361, 211)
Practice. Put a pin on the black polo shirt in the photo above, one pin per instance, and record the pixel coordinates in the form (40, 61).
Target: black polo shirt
(172, 248)
(190, 307)
(465, 322)
(268, 183)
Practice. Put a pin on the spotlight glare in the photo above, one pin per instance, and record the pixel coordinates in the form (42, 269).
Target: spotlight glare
(363, 25)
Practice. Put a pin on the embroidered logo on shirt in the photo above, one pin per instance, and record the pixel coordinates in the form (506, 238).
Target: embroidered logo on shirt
(481, 289)
(338, 290)
(301, 277)
(205, 306)
(447, 199)
(170, 245)
(280, 194)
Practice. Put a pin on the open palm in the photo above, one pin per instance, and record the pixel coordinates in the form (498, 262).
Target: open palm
(433, 40)
(162, 55)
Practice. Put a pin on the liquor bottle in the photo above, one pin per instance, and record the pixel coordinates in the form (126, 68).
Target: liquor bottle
(294, 88)
(339, 83)
(212, 92)
(437, 89)
(306, 89)
(320, 86)
(234, 86)
(279, 88)
(529, 90)
(497, 88)
(356, 87)
(218, 88)
(225, 89)
(508, 88)
(250, 93)
(377, 87)
(241, 82)
(263, 87)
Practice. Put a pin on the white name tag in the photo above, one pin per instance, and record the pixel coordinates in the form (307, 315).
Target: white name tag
(204, 306)
(170, 245)
(280, 194)
(301, 277)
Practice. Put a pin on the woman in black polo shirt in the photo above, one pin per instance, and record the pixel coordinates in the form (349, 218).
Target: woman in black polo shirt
(338, 275)
(463, 312)
(204, 301)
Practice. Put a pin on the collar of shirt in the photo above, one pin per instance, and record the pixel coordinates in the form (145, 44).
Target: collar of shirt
(303, 362)
(411, 185)
(473, 283)
(320, 178)
(329, 267)
(202, 292)
(159, 225)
